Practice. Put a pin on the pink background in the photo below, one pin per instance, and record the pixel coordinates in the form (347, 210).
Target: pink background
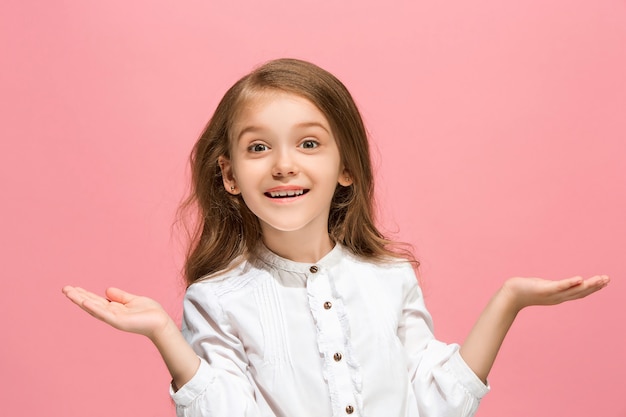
(500, 135)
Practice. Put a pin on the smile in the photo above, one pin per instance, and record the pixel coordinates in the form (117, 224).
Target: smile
(285, 193)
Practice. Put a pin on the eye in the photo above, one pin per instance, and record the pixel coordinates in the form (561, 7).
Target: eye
(257, 147)
(309, 144)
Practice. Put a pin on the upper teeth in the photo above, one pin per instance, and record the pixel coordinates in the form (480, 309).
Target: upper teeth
(286, 193)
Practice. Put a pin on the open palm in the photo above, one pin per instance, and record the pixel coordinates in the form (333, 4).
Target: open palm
(536, 291)
(122, 310)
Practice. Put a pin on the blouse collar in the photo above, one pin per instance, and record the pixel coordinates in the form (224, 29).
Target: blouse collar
(329, 260)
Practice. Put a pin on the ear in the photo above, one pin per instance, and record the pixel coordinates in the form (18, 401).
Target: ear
(345, 178)
(227, 175)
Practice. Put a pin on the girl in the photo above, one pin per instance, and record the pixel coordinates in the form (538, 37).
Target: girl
(297, 305)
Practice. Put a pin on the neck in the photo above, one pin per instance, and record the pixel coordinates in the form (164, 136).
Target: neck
(298, 247)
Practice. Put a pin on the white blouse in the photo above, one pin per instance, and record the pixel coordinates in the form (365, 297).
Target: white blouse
(342, 337)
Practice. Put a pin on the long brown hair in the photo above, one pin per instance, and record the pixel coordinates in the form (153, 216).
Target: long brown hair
(226, 231)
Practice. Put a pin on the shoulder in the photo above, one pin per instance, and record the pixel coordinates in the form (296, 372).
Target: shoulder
(389, 271)
(394, 265)
(233, 282)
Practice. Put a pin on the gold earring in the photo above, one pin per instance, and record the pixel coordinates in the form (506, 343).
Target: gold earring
(232, 188)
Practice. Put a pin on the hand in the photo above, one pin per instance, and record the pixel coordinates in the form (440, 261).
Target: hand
(483, 343)
(524, 292)
(122, 310)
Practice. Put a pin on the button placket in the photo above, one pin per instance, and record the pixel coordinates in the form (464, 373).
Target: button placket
(331, 339)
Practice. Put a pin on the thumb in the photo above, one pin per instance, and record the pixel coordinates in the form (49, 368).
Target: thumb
(570, 282)
(119, 296)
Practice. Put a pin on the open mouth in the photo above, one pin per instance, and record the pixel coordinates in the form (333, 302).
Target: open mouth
(286, 193)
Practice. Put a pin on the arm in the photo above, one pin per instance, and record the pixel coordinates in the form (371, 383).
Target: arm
(443, 384)
(143, 316)
(216, 385)
(484, 340)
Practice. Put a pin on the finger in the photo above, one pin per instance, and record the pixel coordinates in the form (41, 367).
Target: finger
(598, 280)
(594, 283)
(119, 296)
(75, 294)
(91, 303)
(88, 295)
(99, 311)
(590, 286)
(568, 283)
(66, 289)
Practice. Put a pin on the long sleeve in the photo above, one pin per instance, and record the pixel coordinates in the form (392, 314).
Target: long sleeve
(444, 385)
(221, 387)
(341, 337)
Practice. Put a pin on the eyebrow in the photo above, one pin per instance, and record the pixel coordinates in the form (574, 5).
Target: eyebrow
(255, 129)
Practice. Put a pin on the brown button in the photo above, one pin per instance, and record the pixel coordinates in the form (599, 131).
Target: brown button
(337, 356)
(313, 269)
(349, 409)
(328, 305)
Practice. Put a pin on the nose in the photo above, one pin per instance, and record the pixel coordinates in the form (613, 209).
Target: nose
(284, 164)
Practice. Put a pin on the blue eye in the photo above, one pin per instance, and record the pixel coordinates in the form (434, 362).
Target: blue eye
(309, 144)
(257, 147)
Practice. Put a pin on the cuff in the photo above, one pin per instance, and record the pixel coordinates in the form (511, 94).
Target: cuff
(194, 387)
(466, 377)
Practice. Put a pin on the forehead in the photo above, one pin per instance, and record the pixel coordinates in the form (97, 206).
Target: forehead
(276, 109)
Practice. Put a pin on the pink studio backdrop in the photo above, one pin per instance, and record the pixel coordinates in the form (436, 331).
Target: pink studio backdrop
(499, 129)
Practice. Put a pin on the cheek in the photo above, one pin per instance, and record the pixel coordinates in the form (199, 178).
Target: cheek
(247, 174)
(237, 168)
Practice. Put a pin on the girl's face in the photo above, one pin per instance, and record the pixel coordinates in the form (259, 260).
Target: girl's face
(285, 163)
